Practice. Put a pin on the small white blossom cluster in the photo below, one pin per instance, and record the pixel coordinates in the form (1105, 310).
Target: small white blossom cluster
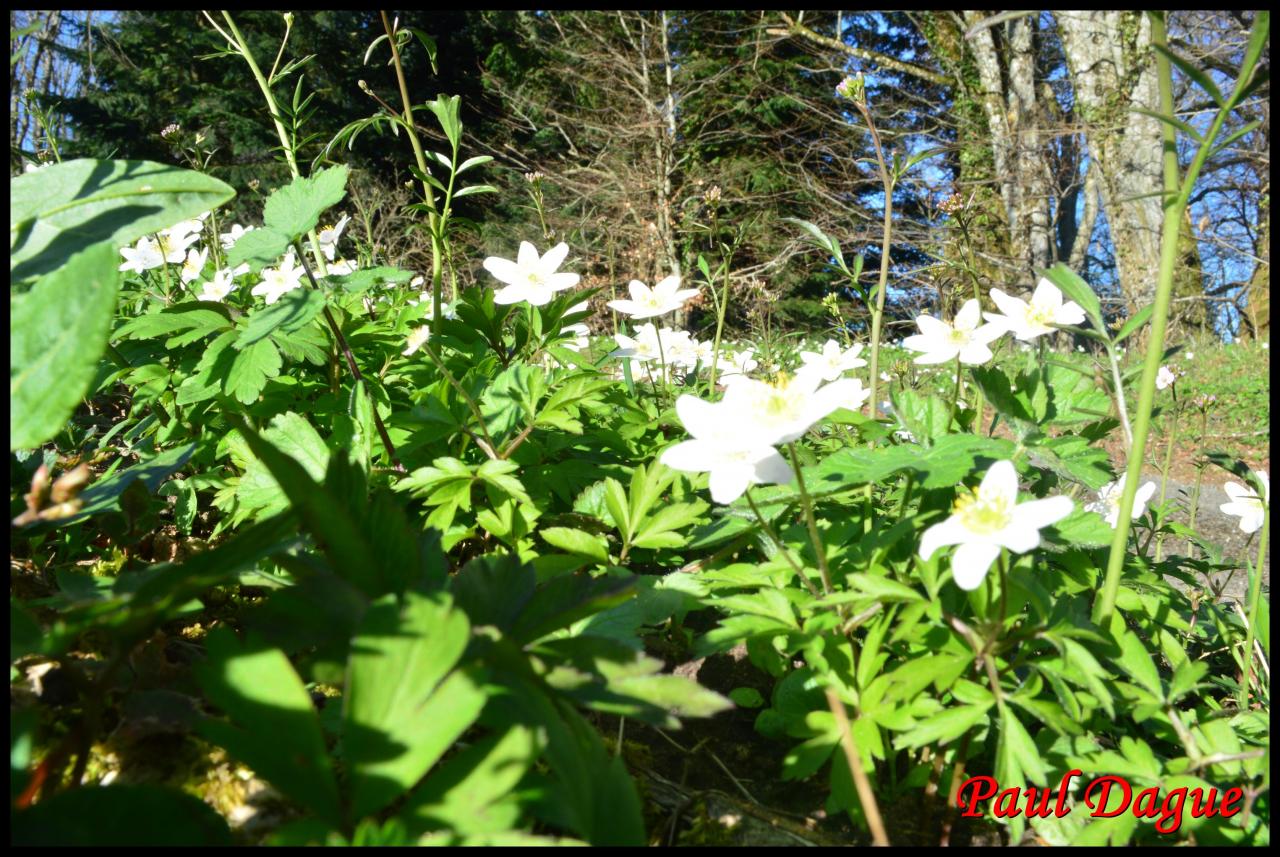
(179, 245)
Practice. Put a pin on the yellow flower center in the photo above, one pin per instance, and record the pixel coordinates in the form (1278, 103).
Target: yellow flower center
(1040, 316)
(983, 515)
(959, 337)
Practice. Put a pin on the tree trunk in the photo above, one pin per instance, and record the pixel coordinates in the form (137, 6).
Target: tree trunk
(1110, 57)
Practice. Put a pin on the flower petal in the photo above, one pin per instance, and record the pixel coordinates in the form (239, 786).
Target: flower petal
(729, 482)
(1001, 481)
(971, 562)
(949, 532)
(554, 258)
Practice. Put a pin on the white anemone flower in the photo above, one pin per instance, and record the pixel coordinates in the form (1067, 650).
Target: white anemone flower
(965, 337)
(734, 365)
(642, 348)
(175, 240)
(417, 338)
(342, 267)
(194, 264)
(1165, 378)
(784, 410)
(280, 280)
(665, 297)
(530, 278)
(142, 256)
(832, 361)
(329, 235)
(230, 238)
(1246, 504)
(1108, 502)
(990, 518)
(1029, 320)
(217, 289)
(734, 459)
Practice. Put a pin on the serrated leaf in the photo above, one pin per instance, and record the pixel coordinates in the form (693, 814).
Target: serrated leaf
(405, 704)
(64, 208)
(294, 310)
(57, 333)
(258, 248)
(251, 370)
(577, 542)
(295, 209)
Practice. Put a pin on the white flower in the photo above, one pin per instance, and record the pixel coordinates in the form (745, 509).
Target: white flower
(175, 240)
(1246, 503)
(1266, 346)
(229, 239)
(448, 311)
(530, 278)
(222, 284)
(329, 235)
(884, 376)
(581, 337)
(965, 337)
(1165, 377)
(644, 347)
(279, 281)
(1027, 321)
(734, 459)
(1108, 502)
(194, 264)
(784, 410)
(142, 256)
(832, 361)
(989, 518)
(342, 267)
(663, 298)
(1191, 355)
(417, 338)
(734, 365)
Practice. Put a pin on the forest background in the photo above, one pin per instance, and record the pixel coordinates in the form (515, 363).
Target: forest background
(1033, 126)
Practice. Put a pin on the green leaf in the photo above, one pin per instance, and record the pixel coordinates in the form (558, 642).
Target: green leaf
(1134, 323)
(446, 110)
(358, 282)
(1191, 70)
(926, 417)
(64, 208)
(947, 725)
(294, 436)
(950, 460)
(258, 247)
(295, 209)
(120, 816)
(475, 791)
(57, 333)
(251, 370)
(405, 704)
(193, 319)
(294, 310)
(474, 189)
(274, 727)
(577, 542)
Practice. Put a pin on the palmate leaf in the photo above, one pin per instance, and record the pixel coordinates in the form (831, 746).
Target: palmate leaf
(57, 333)
(405, 702)
(121, 815)
(258, 490)
(293, 311)
(295, 209)
(274, 727)
(952, 459)
(58, 211)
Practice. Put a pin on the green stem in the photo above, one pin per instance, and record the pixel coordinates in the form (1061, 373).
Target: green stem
(955, 395)
(721, 307)
(1177, 193)
(819, 550)
(1164, 471)
(782, 549)
(877, 311)
(1255, 593)
(1122, 407)
(433, 216)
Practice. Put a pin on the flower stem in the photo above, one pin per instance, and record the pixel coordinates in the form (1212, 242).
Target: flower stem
(782, 549)
(1164, 470)
(1121, 407)
(877, 310)
(870, 808)
(1255, 592)
(955, 395)
(811, 522)
(1176, 194)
